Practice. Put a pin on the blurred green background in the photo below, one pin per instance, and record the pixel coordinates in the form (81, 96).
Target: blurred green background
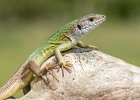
(25, 24)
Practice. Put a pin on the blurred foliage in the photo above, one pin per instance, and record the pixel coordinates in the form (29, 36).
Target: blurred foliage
(25, 24)
(30, 9)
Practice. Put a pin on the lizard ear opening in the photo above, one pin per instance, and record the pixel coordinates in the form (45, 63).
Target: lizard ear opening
(91, 19)
(79, 27)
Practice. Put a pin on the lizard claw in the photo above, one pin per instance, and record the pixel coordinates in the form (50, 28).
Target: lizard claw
(65, 66)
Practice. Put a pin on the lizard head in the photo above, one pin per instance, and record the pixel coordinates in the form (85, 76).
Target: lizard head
(84, 25)
(89, 22)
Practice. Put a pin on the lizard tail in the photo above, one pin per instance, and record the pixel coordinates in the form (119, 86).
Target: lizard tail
(9, 89)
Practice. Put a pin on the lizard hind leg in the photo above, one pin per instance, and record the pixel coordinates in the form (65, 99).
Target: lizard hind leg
(47, 69)
(37, 71)
(41, 72)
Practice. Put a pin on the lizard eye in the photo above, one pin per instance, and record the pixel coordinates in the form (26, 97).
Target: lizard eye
(79, 27)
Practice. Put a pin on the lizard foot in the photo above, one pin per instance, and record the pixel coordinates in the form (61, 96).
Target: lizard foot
(47, 69)
(92, 47)
(65, 65)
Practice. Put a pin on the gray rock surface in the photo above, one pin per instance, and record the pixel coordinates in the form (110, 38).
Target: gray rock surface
(95, 76)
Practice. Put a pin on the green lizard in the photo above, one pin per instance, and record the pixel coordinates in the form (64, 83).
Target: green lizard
(64, 39)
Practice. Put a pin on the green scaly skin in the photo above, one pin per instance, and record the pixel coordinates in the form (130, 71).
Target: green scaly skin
(64, 39)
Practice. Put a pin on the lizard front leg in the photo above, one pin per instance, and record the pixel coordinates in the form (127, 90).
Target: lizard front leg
(63, 47)
(81, 44)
